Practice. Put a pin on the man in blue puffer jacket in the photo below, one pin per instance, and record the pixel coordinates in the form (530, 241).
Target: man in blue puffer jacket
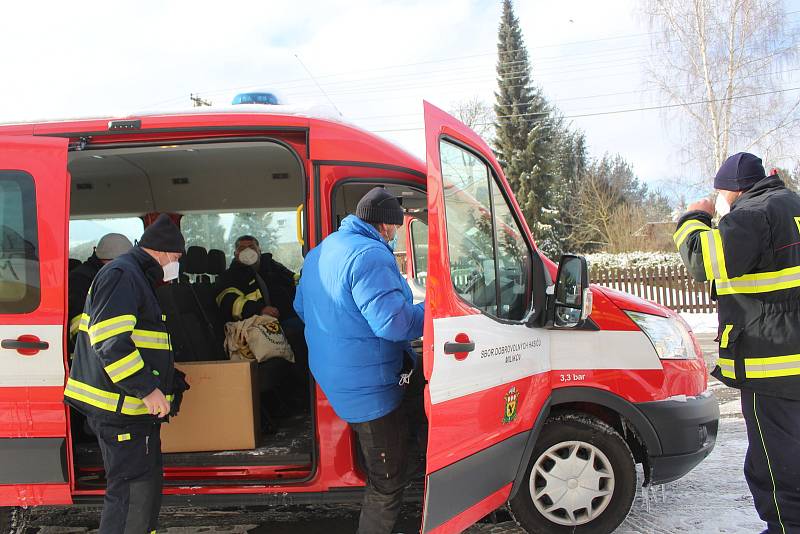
(359, 318)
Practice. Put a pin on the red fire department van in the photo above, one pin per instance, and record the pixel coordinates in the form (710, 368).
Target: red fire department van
(540, 391)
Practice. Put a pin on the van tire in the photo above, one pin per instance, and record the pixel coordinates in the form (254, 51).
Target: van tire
(13, 519)
(577, 438)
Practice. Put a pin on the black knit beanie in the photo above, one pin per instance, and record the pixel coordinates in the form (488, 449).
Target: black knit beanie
(739, 172)
(380, 206)
(163, 235)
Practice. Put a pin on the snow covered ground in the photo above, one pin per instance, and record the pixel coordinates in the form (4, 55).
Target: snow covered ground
(701, 323)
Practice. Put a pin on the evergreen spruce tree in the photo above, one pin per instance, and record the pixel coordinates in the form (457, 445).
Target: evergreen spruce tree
(524, 132)
(571, 162)
(203, 229)
(258, 225)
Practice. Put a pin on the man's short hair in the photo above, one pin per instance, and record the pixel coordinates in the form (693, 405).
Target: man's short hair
(246, 238)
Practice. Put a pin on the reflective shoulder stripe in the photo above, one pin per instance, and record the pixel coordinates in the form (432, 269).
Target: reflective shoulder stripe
(125, 367)
(685, 230)
(91, 395)
(761, 282)
(150, 339)
(227, 291)
(726, 366)
(123, 437)
(723, 341)
(111, 327)
(772, 367)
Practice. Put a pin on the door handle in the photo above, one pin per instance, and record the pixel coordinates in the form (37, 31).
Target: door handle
(461, 347)
(453, 347)
(26, 345)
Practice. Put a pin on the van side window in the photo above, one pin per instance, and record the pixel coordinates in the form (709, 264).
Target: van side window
(489, 259)
(19, 248)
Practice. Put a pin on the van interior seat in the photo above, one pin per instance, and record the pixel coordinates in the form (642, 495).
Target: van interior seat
(217, 264)
(192, 319)
(73, 263)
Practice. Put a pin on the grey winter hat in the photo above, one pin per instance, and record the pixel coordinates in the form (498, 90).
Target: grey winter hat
(380, 206)
(112, 245)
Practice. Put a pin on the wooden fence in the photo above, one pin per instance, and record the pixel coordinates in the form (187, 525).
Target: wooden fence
(670, 286)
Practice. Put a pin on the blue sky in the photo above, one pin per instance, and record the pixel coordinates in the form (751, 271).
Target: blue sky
(376, 59)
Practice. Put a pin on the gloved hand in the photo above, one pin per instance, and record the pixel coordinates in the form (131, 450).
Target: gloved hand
(179, 385)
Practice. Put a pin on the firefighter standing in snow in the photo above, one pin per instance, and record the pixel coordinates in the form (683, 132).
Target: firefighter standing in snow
(753, 257)
(123, 378)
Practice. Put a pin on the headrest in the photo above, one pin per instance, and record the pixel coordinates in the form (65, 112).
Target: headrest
(196, 261)
(216, 262)
(73, 263)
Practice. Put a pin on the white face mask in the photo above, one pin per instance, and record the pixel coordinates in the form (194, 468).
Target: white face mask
(171, 271)
(248, 256)
(721, 205)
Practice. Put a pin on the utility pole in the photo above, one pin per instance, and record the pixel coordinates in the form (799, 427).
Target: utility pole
(197, 101)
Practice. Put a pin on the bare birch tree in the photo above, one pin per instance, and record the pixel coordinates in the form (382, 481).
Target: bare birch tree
(476, 114)
(726, 64)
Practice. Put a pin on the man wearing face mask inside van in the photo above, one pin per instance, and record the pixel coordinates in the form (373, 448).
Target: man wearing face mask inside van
(123, 376)
(256, 284)
(753, 259)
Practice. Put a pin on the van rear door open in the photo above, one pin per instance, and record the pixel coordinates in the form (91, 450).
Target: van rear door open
(487, 370)
(34, 201)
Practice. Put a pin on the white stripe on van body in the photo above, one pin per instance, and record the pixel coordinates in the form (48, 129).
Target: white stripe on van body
(46, 368)
(603, 349)
(507, 352)
(503, 353)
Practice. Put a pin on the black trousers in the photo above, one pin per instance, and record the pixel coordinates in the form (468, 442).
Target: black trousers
(772, 463)
(384, 445)
(134, 476)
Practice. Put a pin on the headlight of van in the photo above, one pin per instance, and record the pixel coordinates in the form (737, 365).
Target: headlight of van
(669, 335)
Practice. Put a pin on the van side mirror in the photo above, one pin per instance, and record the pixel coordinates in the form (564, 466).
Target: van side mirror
(572, 301)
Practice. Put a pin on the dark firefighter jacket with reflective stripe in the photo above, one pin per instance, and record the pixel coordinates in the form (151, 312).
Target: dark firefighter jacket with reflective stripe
(122, 350)
(239, 297)
(753, 257)
(80, 280)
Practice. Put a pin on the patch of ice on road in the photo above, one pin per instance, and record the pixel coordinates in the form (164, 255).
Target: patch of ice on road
(701, 323)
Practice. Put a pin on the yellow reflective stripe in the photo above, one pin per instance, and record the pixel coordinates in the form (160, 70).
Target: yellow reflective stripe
(686, 229)
(705, 248)
(719, 255)
(239, 303)
(134, 406)
(723, 341)
(125, 367)
(761, 282)
(227, 291)
(111, 327)
(769, 465)
(91, 395)
(773, 366)
(150, 339)
(727, 367)
(123, 437)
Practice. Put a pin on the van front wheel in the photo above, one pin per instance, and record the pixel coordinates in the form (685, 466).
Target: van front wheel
(581, 479)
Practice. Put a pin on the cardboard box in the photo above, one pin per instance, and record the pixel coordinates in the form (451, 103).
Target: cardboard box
(219, 413)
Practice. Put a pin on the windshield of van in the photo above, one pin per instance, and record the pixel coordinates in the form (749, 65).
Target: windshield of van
(85, 233)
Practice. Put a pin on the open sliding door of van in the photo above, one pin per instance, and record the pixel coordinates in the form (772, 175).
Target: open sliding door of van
(486, 369)
(34, 204)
